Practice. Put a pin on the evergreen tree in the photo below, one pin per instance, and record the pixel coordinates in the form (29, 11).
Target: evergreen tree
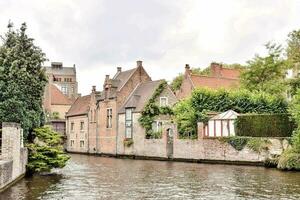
(22, 79)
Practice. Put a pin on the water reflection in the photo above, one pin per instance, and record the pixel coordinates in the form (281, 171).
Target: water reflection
(89, 177)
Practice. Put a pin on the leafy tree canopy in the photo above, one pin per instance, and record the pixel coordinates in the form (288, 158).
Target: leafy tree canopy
(293, 48)
(266, 73)
(22, 79)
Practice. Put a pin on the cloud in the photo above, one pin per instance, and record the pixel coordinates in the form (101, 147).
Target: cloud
(100, 35)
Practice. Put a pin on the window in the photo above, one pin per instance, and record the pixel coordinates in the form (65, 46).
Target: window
(81, 126)
(72, 143)
(128, 123)
(163, 101)
(72, 126)
(81, 143)
(68, 79)
(109, 118)
(157, 126)
(64, 89)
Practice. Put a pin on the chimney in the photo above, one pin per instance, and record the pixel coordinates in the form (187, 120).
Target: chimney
(93, 88)
(216, 69)
(106, 78)
(188, 70)
(119, 69)
(139, 63)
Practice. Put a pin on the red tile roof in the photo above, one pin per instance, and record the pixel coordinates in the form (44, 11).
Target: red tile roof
(80, 106)
(57, 97)
(230, 73)
(213, 82)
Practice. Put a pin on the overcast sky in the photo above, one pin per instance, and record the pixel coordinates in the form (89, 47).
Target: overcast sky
(99, 36)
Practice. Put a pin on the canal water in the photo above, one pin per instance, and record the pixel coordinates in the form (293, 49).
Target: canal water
(89, 177)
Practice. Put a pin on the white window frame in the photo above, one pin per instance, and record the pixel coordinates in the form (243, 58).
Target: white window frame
(160, 101)
(128, 123)
(64, 89)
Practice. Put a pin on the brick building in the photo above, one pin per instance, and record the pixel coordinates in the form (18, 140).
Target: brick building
(219, 77)
(115, 92)
(60, 92)
(130, 128)
(81, 124)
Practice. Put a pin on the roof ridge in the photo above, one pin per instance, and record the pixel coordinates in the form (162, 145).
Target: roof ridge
(219, 77)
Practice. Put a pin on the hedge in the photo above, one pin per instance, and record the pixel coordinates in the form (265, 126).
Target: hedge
(264, 125)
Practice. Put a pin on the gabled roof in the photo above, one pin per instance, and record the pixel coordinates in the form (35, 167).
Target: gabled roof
(140, 96)
(80, 106)
(213, 82)
(57, 97)
(230, 114)
(122, 77)
(118, 81)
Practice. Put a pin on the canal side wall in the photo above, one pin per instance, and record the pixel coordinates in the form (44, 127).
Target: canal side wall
(13, 158)
(212, 150)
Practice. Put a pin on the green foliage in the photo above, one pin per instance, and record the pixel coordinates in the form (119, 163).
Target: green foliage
(264, 125)
(289, 160)
(128, 142)
(176, 83)
(293, 49)
(190, 111)
(258, 144)
(151, 110)
(266, 73)
(186, 119)
(22, 80)
(55, 115)
(46, 152)
(236, 142)
(293, 85)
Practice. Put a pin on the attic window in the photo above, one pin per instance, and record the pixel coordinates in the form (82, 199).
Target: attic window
(163, 101)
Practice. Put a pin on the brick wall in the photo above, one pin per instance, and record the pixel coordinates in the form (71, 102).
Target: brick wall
(14, 155)
(77, 134)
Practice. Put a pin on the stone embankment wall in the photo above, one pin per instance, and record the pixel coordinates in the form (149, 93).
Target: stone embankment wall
(201, 149)
(13, 157)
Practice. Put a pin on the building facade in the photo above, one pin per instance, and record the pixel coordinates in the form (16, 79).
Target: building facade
(129, 128)
(219, 77)
(60, 92)
(115, 92)
(81, 124)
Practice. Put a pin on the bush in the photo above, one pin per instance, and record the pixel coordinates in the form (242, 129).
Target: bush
(289, 160)
(264, 125)
(238, 143)
(258, 144)
(46, 152)
(190, 111)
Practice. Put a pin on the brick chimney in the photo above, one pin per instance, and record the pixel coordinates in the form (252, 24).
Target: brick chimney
(93, 89)
(139, 63)
(188, 70)
(216, 69)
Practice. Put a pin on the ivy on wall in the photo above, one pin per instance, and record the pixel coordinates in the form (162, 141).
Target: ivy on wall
(151, 110)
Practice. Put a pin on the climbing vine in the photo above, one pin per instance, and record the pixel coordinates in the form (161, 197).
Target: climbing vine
(151, 110)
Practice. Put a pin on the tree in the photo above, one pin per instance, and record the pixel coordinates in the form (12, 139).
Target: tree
(22, 79)
(46, 151)
(290, 158)
(266, 73)
(293, 48)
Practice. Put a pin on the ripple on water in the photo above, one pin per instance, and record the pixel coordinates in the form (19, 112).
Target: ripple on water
(88, 177)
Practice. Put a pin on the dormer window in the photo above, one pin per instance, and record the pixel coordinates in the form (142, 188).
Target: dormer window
(163, 101)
